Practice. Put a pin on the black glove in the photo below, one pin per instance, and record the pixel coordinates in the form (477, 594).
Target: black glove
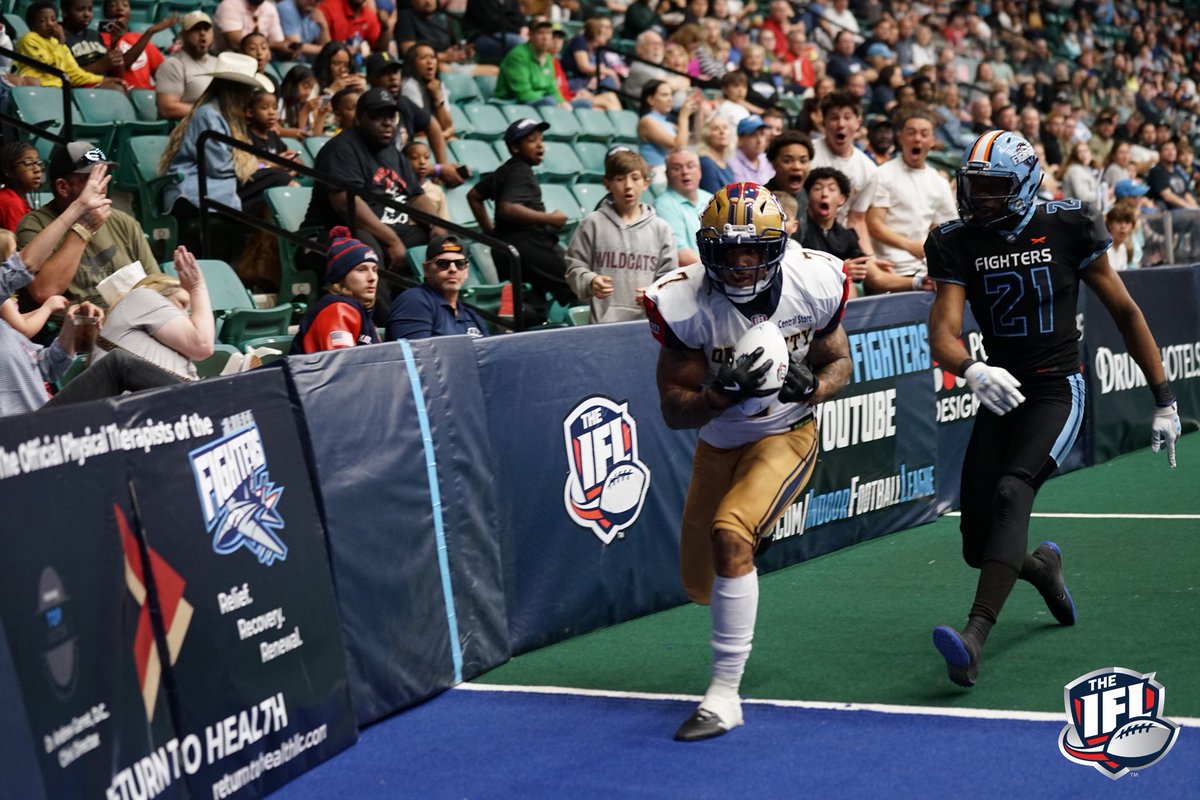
(800, 383)
(739, 380)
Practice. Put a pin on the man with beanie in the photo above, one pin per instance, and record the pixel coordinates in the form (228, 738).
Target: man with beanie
(433, 308)
(342, 318)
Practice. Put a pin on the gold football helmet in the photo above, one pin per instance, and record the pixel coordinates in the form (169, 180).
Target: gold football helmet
(742, 240)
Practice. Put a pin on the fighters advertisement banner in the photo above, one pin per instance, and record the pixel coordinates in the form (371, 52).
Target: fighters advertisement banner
(1119, 401)
(878, 468)
(76, 613)
(257, 674)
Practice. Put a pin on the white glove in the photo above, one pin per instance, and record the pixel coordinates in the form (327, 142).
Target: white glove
(1166, 430)
(995, 387)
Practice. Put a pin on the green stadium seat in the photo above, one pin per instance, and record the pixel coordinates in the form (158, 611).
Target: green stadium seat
(282, 68)
(516, 111)
(460, 209)
(313, 145)
(288, 206)
(462, 125)
(579, 315)
(143, 11)
(591, 155)
(487, 85)
(139, 161)
(564, 127)
(233, 306)
(295, 144)
(107, 117)
(41, 106)
(461, 88)
(557, 196)
(560, 164)
(479, 155)
(16, 24)
(594, 125)
(416, 260)
(211, 367)
(487, 121)
(145, 103)
(483, 288)
(589, 194)
(281, 343)
(625, 124)
(501, 150)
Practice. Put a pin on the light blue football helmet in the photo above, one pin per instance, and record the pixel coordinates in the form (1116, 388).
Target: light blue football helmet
(998, 182)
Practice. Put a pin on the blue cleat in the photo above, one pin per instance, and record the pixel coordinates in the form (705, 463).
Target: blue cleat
(962, 655)
(1054, 589)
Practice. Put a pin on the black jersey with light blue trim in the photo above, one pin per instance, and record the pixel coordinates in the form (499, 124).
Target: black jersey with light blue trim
(1023, 292)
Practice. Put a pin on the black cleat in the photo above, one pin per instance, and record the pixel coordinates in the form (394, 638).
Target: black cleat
(1054, 589)
(706, 724)
(962, 655)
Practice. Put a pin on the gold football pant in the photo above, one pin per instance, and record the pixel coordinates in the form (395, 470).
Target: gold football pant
(744, 490)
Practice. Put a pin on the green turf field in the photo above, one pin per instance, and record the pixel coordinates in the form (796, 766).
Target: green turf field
(854, 625)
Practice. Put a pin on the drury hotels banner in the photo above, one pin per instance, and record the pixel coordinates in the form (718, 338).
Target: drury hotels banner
(75, 616)
(258, 670)
(1120, 402)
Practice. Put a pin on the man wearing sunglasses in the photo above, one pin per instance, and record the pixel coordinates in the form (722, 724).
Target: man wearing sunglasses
(434, 308)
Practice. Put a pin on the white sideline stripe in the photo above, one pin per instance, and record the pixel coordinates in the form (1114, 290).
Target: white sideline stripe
(879, 708)
(1098, 516)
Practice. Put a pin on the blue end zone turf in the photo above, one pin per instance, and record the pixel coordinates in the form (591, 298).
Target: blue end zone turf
(484, 744)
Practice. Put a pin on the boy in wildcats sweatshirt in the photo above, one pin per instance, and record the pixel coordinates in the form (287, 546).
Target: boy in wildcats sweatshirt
(621, 247)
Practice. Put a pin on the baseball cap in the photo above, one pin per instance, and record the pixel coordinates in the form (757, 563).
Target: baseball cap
(76, 157)
(194, 18)
(751, 124)
(881, 50)
(444, 243)
(377, 98)
(522, 128)
(1130, 188)
(381, 62)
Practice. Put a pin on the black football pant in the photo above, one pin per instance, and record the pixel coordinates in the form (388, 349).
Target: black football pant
(1008, 459)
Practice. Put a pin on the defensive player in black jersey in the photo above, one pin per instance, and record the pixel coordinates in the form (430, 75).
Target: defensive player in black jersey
(1019, 266)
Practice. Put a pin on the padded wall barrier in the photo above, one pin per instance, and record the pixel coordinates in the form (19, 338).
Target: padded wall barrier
(184, 565)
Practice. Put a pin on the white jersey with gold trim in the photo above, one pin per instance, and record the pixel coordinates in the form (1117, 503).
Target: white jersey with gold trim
(686, 312)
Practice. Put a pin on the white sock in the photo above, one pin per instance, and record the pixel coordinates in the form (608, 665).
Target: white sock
(734, 609)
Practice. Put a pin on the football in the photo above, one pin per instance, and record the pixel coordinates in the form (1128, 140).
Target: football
(767, 336)
(1139, 742)
(623, 491)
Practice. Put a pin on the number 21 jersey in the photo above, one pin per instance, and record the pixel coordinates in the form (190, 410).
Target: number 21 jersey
(1024, 292)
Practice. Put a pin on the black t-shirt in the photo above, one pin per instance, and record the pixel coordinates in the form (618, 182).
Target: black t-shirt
(1024, 293)
(383, 171)
(839, 241)
(514, 182)
(272, 142)
(433, 29)
(88, 48)
(1173, 178)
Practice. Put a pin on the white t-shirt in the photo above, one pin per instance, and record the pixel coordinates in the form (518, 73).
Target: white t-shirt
(858, 167)
(916, 200)
(131, 326)
(734, 112)
(697, 316)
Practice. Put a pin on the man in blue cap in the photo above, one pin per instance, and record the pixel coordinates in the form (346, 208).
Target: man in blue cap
(749, 162)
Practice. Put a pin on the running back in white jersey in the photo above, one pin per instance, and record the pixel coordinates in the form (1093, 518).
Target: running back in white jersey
(687, 313)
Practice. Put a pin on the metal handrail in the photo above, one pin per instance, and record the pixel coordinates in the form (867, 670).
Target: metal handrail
(208, 204)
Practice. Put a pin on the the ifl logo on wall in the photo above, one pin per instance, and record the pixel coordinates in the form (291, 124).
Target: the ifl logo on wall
(607, 483)
(237, 498)
(1115, 721)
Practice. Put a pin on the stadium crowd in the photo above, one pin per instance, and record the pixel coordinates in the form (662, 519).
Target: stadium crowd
(856, 110)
